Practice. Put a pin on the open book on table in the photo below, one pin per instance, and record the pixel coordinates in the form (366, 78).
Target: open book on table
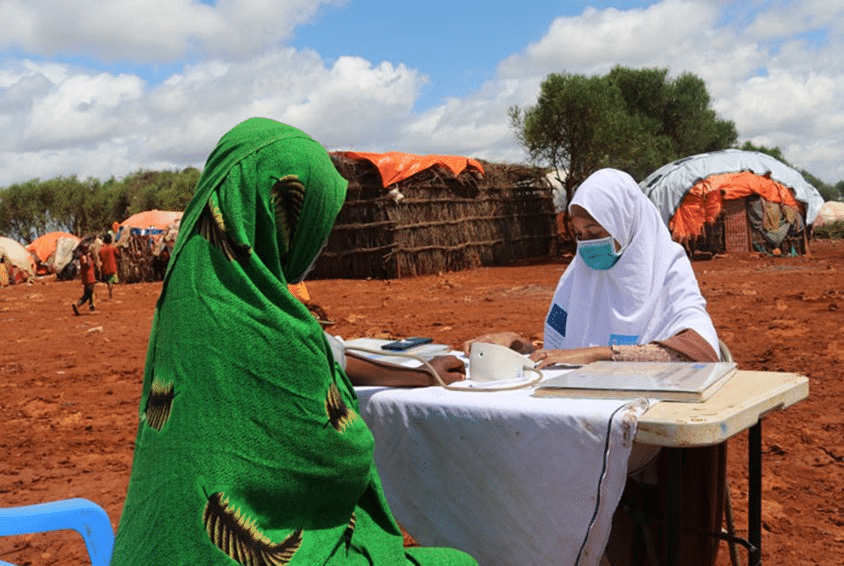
(668, 381)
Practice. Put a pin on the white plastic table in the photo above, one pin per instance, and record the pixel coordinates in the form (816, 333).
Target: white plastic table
(739, 405)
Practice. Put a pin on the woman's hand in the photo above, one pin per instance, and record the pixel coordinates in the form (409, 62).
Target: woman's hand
(573, 356)
(508, 339)
(449, 368)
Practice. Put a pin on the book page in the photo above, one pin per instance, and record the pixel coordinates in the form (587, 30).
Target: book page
(643, 376)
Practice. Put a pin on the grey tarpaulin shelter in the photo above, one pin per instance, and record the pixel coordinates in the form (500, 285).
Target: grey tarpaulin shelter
(668, 186)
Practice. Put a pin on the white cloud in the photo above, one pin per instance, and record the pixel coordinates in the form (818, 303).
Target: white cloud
(82, 109)
(784, 103)
(775, 75)
(349, 101)
(355, 100)
(14, 70)
(150, 30)
(118, 120)
(477, 126)
(596, 40)
(796, 17)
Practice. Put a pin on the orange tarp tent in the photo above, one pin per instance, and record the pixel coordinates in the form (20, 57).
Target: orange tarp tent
(159, 219)
(703, 203)
(396, 166)
(45, 245)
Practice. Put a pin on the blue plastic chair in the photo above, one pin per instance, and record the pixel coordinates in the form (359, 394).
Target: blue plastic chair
(85, 517)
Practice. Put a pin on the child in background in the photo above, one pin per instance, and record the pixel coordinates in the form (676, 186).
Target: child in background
(89, 279)
(108, 263)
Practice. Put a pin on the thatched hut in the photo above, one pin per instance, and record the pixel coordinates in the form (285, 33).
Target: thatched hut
(434, 221)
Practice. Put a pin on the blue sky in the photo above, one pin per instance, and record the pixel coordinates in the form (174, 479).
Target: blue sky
(457, 44)
(103, 89)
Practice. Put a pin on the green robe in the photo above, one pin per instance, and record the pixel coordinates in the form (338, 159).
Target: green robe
(250, 447)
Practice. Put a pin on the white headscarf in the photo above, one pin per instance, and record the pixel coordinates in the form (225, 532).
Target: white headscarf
(649, 294)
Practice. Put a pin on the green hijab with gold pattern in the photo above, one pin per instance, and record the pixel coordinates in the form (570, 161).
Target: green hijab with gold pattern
(250, 449)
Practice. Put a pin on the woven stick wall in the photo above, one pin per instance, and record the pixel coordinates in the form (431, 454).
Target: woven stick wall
(438, 223)
(135, 262)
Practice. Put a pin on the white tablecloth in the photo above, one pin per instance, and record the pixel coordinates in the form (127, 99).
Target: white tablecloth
(509, 478)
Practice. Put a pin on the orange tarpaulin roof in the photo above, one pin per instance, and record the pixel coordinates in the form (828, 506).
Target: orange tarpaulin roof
(396, 166)
(44, 245)
(155, 218)
(702, 204)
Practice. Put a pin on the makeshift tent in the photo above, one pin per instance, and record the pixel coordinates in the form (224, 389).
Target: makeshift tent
(409, 215)
(145, 240)
(61, 262)
(734, 200)
(53, 251)
(831, 211)
(144, 254)
(45, 245)
(151, 221)
(18, 262)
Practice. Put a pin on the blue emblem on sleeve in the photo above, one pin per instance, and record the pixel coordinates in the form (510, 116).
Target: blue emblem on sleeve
(623, 340)
(557, 319)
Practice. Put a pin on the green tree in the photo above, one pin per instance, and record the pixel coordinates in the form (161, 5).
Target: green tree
(67, 209)
(632, 119)
(90, 206)
(20, 213)
(78, 206)
(774, 152)
(164, 190)
(827, 191)
(576, 126)
(689, 121)
(179, 192)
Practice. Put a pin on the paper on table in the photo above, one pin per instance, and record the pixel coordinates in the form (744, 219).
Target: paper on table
(675, 381)
(424, 351)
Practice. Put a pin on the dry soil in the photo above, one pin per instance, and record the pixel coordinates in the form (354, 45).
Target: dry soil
(69, 386)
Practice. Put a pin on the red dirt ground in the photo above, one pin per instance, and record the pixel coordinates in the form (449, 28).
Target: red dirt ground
(69, 386)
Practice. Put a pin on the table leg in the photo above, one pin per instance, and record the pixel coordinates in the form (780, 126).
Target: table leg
(672, 516)
(754, 495)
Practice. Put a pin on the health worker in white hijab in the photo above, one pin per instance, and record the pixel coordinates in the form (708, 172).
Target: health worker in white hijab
(630, 295)
(629, 284)
(631, 290)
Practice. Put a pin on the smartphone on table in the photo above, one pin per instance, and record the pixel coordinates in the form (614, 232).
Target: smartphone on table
(406, 343)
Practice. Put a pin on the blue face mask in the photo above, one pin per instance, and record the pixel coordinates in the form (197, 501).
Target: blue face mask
(598, 254)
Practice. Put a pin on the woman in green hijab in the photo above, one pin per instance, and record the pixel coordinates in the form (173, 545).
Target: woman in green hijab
(250, 449)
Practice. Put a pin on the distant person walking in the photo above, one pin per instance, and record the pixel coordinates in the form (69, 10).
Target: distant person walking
(89, 279)
(108, 263)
